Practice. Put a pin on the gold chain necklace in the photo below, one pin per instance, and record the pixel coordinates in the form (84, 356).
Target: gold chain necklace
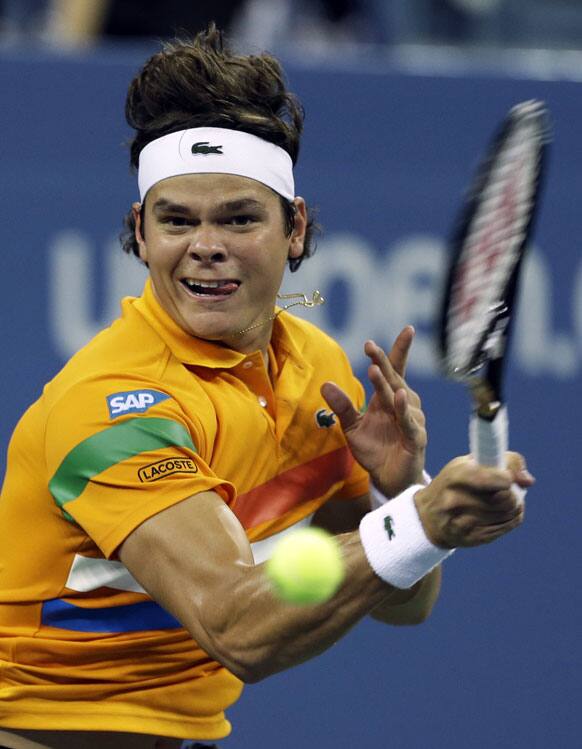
(301, 299)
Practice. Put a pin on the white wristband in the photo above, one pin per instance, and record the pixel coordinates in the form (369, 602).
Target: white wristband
(395, 542)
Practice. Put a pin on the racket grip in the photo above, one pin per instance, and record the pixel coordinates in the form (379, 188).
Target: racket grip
(488, 440)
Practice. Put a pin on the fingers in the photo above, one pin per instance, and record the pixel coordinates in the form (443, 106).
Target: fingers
(382, 387)
(340, 404)
(472, 525)
(516, 463)
(492, 532)
(487, 477)
(465, 473)
(411, 420)
(378, 357)
(402, 404)
(474, 532)
(392, 366)
(398, 355)
(469, 505)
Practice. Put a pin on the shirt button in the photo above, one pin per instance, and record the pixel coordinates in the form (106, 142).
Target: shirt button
(262, 401)
(248, 364)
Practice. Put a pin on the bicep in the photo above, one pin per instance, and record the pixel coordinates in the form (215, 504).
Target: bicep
(187, 558)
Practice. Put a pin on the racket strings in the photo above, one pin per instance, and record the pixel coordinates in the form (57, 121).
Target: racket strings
(493, 243)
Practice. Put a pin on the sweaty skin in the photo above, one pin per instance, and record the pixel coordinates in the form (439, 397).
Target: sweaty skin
(195, 560)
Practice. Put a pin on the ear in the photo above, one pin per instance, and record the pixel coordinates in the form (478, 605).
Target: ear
(297, 239)
(139, 232)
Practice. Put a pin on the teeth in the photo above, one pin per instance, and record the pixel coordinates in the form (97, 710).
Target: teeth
(204, 284)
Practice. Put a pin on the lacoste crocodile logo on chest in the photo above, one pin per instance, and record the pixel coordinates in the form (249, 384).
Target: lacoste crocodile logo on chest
(325, 419)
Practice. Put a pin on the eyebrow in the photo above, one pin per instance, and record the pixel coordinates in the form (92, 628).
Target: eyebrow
(230, 205)
(167, 205)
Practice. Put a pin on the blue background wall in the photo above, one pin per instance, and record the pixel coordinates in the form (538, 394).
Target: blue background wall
(386, 156)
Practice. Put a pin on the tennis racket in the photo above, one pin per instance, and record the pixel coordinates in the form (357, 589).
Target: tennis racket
(487, 247)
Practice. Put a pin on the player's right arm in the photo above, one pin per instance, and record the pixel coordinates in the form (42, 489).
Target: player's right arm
(195, 560)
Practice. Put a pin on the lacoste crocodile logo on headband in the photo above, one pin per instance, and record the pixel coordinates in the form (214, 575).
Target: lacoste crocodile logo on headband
(203, 147)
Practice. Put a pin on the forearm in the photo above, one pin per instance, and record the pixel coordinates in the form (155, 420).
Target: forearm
(261, 635)
(390, 545)
(411, 606)
(227, 603)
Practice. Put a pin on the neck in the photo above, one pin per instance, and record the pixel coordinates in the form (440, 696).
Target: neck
(254, 339)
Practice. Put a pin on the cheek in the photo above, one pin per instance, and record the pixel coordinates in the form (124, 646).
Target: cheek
(165, 252)
(270, 263)
(273, 248)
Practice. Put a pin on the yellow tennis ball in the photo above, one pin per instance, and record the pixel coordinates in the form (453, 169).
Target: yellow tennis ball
(306, 566)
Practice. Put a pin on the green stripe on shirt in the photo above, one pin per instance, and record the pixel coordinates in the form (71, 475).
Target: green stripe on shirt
(111, 446)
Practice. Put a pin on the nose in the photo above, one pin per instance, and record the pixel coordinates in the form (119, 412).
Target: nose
(207, 247)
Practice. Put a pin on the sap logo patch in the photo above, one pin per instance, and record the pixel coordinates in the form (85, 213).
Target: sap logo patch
(166, 467)
(133, 401)
(324, 418)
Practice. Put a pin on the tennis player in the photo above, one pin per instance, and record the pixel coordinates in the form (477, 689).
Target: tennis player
(145, 487)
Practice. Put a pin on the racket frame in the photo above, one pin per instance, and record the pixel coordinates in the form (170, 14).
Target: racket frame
(483, 374)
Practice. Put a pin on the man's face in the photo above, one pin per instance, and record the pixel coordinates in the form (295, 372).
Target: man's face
(216, 249)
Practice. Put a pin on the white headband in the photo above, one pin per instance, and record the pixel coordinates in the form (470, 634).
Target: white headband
(215, 150)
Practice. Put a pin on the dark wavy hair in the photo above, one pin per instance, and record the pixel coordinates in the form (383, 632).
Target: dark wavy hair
(200, 82)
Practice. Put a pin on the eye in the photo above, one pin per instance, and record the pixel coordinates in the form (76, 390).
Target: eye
(175, 220)
(242, 219)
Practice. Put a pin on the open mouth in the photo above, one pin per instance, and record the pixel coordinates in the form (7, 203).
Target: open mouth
(221, 288)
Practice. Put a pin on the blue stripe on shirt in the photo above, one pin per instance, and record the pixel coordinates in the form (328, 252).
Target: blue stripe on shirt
(135, 617)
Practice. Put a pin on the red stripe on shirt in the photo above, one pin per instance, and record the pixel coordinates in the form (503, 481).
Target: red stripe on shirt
(293, 487)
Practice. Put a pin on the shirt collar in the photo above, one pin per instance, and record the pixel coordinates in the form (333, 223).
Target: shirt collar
(201, 353)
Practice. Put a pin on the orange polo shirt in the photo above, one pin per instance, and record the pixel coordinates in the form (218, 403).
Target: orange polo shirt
(141, 418)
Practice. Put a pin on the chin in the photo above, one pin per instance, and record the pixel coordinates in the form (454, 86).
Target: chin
(214, 333)
(207, 326)
(216, 336)
(228, 333)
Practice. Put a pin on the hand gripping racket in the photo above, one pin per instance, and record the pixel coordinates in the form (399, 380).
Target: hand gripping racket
(487, 248)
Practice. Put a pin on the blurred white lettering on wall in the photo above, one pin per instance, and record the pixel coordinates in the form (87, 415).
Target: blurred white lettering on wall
(369, 295)
(74, 261)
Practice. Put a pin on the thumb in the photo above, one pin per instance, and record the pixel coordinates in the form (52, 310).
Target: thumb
(340, 404)
(516, 463)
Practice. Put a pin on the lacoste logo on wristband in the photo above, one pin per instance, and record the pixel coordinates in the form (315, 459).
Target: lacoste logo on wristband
(389, 528)
(203, 147)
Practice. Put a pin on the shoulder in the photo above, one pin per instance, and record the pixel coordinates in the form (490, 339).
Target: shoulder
(127, 351)
(309, 338)
(323, 355)
(317, 349)
(124, 371)
(129, 343)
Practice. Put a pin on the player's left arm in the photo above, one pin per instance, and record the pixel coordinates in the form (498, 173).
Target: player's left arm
(411, 606)
(389, 441)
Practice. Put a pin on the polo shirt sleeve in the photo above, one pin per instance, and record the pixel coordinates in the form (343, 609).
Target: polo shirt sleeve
(115, 459)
